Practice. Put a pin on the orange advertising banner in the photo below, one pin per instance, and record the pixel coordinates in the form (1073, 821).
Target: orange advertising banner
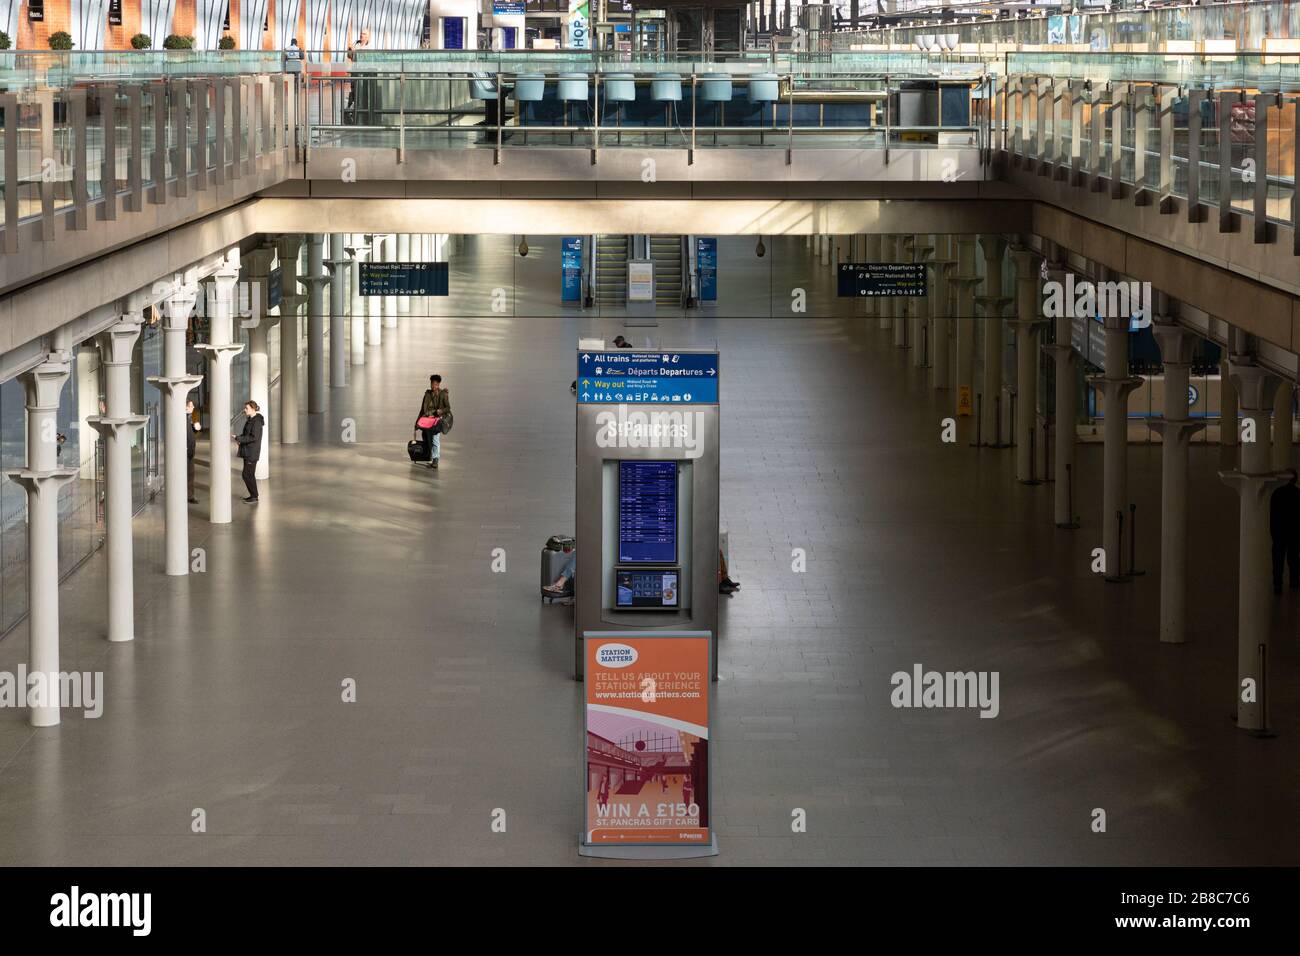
(647, 738)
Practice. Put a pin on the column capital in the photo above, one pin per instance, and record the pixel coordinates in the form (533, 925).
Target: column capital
(288, 245)
(993, 245)
(1177, 343)
(44, 382)
(1114, 387)
(1256, 486)
(1255, 385)
(172, 386)
(1177, 431)
(223, 355)
(117, 341)
(178, 305)
(993, 305)
(113, 427)
(39, 483)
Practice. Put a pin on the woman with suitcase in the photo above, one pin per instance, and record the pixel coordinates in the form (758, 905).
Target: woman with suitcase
(434, 419)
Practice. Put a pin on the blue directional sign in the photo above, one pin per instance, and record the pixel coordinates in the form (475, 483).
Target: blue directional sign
(648, 378)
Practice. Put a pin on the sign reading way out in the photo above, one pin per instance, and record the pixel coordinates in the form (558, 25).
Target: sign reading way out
(403, 278)
(881, 278)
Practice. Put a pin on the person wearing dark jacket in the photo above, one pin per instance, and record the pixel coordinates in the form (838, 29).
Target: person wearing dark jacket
(250, 447)
(191, 445)
(1284, 526)
(435, 404)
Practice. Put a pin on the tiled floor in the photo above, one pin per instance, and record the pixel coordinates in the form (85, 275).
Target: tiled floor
(357, 565)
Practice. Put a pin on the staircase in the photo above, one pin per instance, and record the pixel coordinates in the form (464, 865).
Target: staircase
(611, 271)
(666, 253)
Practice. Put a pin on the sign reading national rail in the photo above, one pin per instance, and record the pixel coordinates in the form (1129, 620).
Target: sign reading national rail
(403, 278)
(672, 378)
(857, 279)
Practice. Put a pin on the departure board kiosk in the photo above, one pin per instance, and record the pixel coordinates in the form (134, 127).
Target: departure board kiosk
(647, 493)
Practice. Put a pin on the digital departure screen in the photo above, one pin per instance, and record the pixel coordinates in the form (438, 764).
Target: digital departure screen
(647, 512)
(647, 590)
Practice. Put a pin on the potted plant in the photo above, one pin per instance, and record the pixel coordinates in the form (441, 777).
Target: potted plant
(141, 41)
(60, 40)
(227, 42)
(4, 41)
(174, 41)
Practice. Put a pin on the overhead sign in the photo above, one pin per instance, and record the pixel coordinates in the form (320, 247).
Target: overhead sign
(706, 263)
(403, 278)
(508, 8)
(882, 278)
(571, 269)
(624, 375)
(646, 759)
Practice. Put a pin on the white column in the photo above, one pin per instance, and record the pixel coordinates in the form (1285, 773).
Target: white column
(1282, 417)
(290, 339)
(941, 345)
(118, 425)
(922, 250)
(963, 297)
(257, 269)
(389, 301)
(357, 251)
(1228, 423)
(1115, 386)
(375, 303)
(1175, 430)
(992, 304)
(221, 351)
(42, 479)
(1026, 325)
(403, 255)
(175, 383)
(1064, 430)
(870, 245)
(905, 248)
(339, 269)
(1254, 482)
(885, 305)
(315, 282)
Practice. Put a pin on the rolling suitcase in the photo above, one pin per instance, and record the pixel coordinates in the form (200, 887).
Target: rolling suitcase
(554, 557)
(415, 448)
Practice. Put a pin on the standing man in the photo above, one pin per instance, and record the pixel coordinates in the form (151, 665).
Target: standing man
(191, 445)
(250, 447)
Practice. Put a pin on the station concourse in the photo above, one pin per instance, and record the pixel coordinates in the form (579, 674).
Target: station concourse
(975, 369)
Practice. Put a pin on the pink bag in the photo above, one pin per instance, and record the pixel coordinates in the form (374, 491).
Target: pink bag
(425, 423)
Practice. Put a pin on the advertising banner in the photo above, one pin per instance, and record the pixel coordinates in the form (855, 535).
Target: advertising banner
(571, 269)
(647, 739)
(706, 261)
(579, 29)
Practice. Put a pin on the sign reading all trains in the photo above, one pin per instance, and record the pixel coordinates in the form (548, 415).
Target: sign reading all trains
(858, 279)
(675, 378)
(403, 278)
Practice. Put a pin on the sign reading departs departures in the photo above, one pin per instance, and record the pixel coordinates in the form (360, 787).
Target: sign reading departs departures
(882, 278)
(628, 376)
(647, 738)
(403, 278)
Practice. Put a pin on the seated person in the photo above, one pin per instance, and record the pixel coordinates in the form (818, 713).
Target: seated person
(725, 584)
(564, 583)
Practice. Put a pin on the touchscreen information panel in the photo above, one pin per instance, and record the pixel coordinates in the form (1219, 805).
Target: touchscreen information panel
(647, 589)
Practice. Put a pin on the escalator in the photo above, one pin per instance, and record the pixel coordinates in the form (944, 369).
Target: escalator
(610, 286)
(666, 253)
